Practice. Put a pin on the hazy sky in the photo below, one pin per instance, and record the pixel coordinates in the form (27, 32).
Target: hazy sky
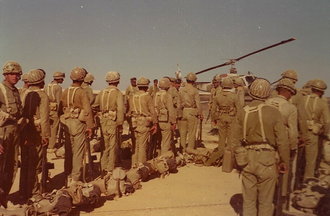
(149, 37)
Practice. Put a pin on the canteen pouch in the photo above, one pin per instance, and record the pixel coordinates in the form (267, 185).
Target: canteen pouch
(241, 156)
(316, 129)
(310, 124)
(53, 106)
(134, 122)
(3, 117)
(163, 115)
(112, 115)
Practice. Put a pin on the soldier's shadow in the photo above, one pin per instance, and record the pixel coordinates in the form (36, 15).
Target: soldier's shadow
(236, 202)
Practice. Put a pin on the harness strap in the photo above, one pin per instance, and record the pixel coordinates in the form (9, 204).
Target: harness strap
(249, 110)
(138, 97)
(108, 98)
(73, 93)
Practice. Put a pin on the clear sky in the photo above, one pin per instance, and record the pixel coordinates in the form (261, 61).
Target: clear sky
(149, 37)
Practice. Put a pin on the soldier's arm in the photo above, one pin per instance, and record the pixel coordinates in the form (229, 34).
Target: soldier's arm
(44, 115)
(120, 109)
(198, 103)
(214, 110)
(58, 93)
(179, 103)
(302, 120)
(170, 108)
(87, 108)
(281, 138)
(96, 105)
(326, 120)
(293, 129)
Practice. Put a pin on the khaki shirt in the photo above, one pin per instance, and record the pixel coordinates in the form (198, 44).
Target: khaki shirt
(153, 90)
(130, 90)
(225, 102)
(111, 99)
(289, 114)
(321, 112)
(189, 98)
(241, 95)
(163, 99)
(142, 104)
(273, 126)
(212, 95)
(41, 110)
(54, 92)
(81, 101)
(13, 100)
(89, 92)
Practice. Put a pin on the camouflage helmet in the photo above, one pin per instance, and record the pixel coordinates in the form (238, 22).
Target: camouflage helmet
(58, 75)
(216, 78)
(172, 79)
(259, 89)
(164, 83)
(12, 67)
(319, 85)
(112, 77)
(89, 78)
(36, 76)
(227, 82)
(191, 77)
(78, 74)
(290, 74)
(143, 82)
(25, 77)
(308, 84)
(287, 84)
(238, 81)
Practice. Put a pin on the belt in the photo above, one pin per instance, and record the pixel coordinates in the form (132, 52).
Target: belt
(188, 108)
(260, 147)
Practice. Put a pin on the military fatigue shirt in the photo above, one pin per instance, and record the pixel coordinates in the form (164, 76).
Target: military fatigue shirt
(111, 99)
(225, 101)
(13, 100)
(165, 101)
(80, 100)
(212, 95)
(143, 106)
(153, 90)
(130, 90)
(289, 114)
(54, 92)
(189, 98)
(89, 92)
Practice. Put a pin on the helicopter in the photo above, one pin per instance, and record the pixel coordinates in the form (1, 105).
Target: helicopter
(247, 79)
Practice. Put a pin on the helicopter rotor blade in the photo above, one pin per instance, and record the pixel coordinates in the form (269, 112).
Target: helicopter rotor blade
(252, 53)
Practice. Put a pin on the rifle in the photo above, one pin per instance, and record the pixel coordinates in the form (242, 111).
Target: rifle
(60, 136)
(199, 137)
(45, 167)
(3, 174)
(278, 209)
(208, 116)
(300, 167)
(91, 158)
(288, 189)
(118, 147)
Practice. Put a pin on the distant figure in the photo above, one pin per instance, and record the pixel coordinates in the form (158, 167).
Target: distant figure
(239, 89)
(88, 81)
(216, 88)
(153, 89)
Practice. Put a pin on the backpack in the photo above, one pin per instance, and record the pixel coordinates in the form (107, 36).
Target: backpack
(116, 184)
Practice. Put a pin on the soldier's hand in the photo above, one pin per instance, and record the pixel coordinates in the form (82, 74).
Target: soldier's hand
(89, 132)
(201, 117)
(214, 123)
(282, 168)
(1, 149)
(153, 129)
(44, 142)
(301, 142)
(173, 126)
(120, 128)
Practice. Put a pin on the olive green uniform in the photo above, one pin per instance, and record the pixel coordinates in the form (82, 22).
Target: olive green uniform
(189, 110)
(317, 113)
(36, 109)
(130, 91)
(89, 92)
(142, 113)
(260, 174)
(110, 103)
(9, 159)
(164, 104)
(153, 90)
(54, 92)
(74, 129)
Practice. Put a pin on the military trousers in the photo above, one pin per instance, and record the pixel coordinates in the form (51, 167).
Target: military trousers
(108, 156)
(188, 128)
(139, 154)
(311, 153)
(166, 137)
(54, 123)
(258, 183)
(75, 139)
(9, 159)
(31, 166)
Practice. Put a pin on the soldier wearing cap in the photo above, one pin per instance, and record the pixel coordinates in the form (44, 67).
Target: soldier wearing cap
(35, 135)
(88, 81)
(9, 133)
(166, 114)
(318, 120)
(78, 123)
(25, 86)
(153, 89)
(189, 111)
(259, 132)
(110, 106)
(130, 90)
(239, 89)
(54, 92)
(143, 118)
(224, 108)
(216, 87)
(285, 89)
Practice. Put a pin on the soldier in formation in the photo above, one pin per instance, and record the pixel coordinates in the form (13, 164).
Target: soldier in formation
(216, 88)
(154, 88)
(88, 81)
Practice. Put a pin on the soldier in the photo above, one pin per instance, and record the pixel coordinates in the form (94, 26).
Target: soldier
(318, 121)
(9, 133)
(35, 135)
(166, 114)
(189, 111)
(110, 104)
(224, 108)
(239, 89)
(307, 89)
(260, 130)
(54, 92)
(88, 81)
(130, 90)
(78, 121)
(285, 89)
(143, 118)
(174, 92)
(25, 86)
(214, 90)
(153, 89)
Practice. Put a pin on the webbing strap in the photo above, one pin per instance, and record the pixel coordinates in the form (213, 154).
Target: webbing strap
(73, 93)
(4, 92)
(50, 90)
(102, 99)
(314, 105)
(139, 99)
(249, 110)
(161, 95)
